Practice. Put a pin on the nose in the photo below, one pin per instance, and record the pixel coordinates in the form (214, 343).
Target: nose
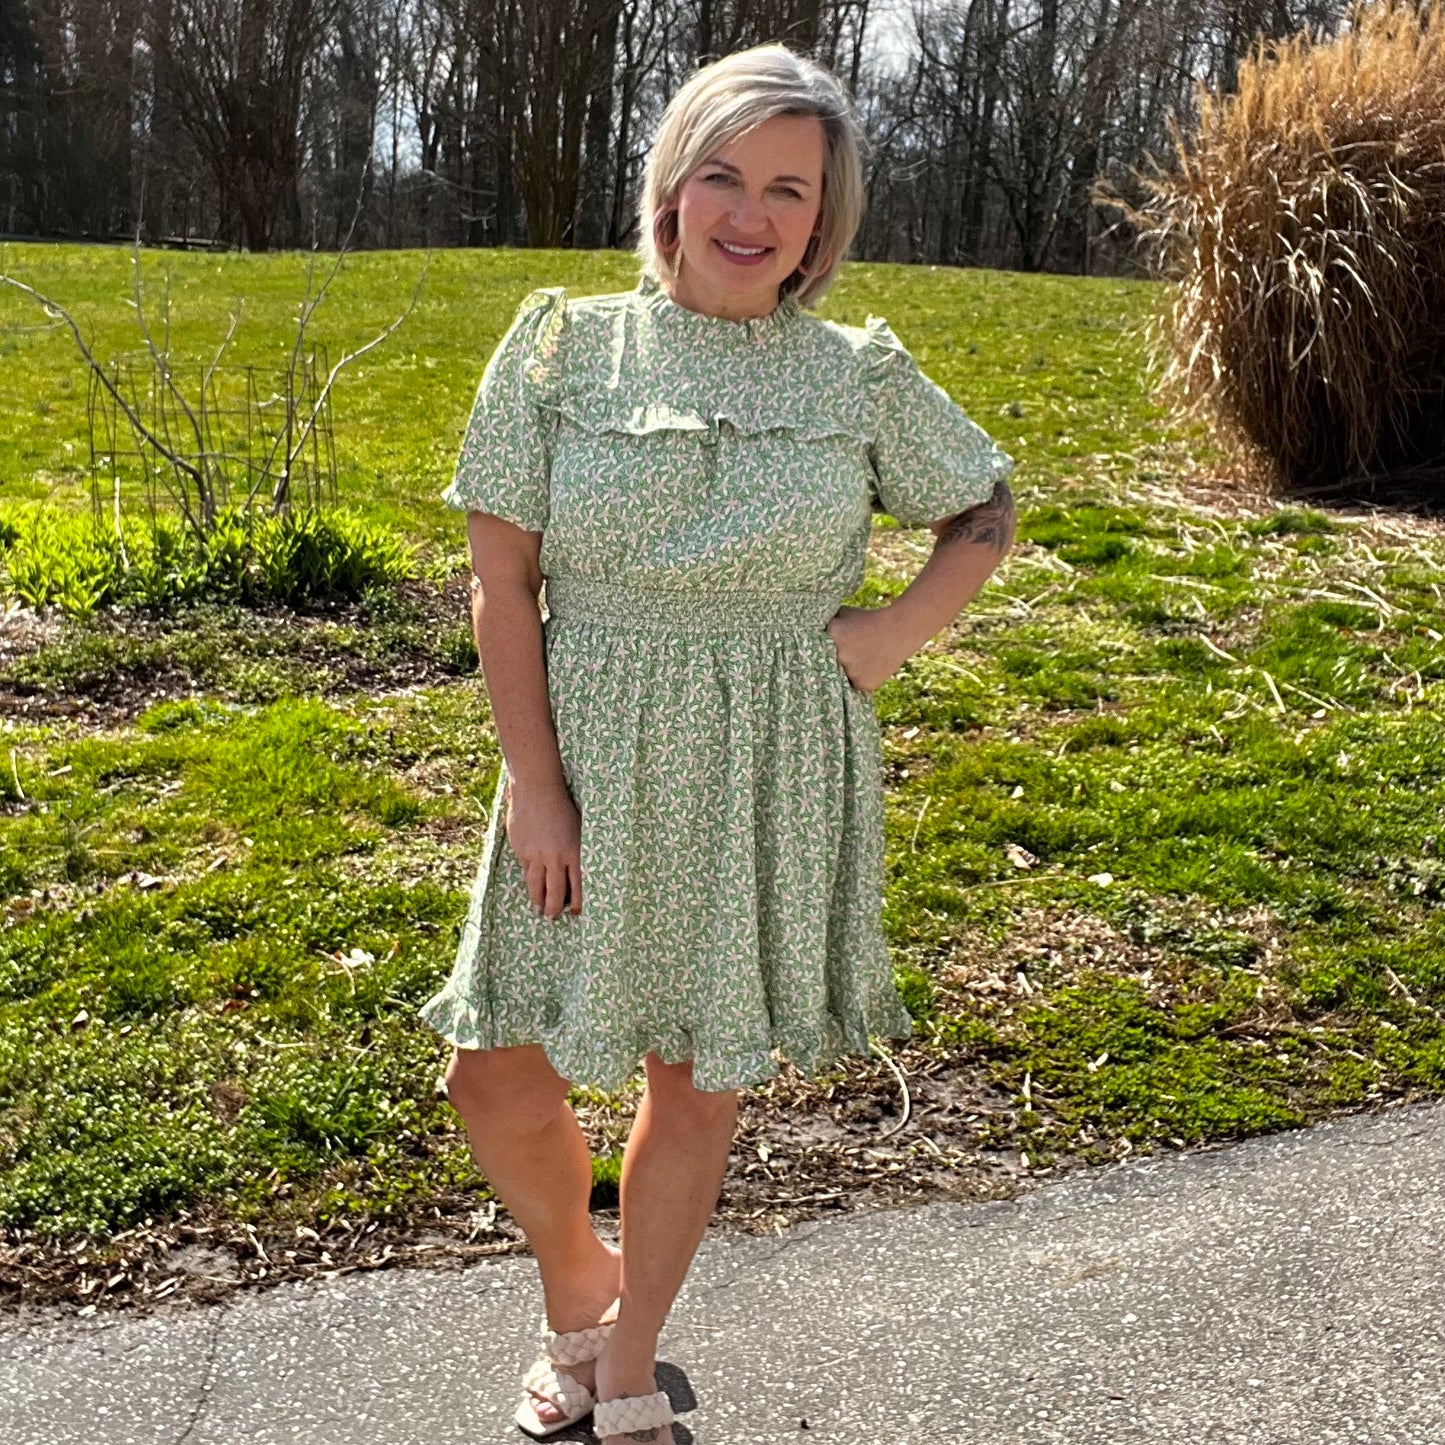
(749, 215)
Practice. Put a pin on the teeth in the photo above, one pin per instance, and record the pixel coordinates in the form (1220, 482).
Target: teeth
(743, 250)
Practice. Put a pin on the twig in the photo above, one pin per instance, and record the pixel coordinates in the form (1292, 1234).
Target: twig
(1253, 667)
(1279, 701)
(1370, 592)
(346, 360)
(1034, 601)
(913, 842)
(1405, 992)
(1218, 651)
(1011, 882)
(953, 665)
(1319, 701)
(1189, 582)
(161, 359)
(902, 1084)
(308, 307)
(215, 361)
(282, 489)
(54, 308)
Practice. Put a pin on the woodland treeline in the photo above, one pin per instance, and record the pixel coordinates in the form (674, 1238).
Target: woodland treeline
(265, 123)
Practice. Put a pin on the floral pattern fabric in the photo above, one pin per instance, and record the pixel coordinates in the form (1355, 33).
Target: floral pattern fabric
(704, 489)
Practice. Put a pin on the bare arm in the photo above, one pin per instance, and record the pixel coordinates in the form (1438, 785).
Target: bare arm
(873, 643)
(967, 550)
(543, 825)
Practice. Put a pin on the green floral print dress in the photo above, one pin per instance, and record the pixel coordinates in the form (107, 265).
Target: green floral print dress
(704, 489)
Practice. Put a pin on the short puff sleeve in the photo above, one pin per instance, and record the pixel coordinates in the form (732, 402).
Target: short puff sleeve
(930, 459)
(505, 458)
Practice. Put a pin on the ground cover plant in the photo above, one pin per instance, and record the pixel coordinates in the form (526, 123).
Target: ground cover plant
(1163, 821)
(295, 557)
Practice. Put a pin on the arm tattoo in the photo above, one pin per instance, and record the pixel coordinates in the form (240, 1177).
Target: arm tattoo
(989, 523)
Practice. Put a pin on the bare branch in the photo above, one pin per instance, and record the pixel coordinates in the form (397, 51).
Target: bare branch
(54, 308)
(308, 308)
(352, 356)
(161, 360)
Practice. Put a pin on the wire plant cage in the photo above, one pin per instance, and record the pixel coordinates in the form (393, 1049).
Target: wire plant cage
(229, 430)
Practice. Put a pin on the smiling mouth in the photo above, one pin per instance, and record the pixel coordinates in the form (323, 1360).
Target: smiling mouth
(746, 252)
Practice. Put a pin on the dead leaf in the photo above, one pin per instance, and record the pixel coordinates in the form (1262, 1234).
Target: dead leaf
(228, 1098)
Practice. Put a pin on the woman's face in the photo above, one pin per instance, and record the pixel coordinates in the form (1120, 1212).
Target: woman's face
(746, 215)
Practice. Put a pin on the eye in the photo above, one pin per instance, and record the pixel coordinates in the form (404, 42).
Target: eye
(718, 176)
(791, 191)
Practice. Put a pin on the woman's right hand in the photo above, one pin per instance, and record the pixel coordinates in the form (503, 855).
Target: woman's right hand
(545, 831)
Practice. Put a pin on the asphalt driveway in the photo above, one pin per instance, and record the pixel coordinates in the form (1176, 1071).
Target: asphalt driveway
(1285, 1290)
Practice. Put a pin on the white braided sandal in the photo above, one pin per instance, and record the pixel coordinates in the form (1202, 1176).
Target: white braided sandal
(559, 1349)
(628, 1414)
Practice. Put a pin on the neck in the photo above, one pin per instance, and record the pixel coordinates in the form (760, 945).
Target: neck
(730, 308)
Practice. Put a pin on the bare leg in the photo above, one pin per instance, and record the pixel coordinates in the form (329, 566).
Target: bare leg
(672, 1172)
(527, 1142)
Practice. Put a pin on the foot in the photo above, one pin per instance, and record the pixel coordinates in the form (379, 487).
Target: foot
(590, 1300)
(617, 1378)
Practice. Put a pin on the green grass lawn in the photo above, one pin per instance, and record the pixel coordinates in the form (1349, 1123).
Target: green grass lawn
(1040, 358)
(1163, 812)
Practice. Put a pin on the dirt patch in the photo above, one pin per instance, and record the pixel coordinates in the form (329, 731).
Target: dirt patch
(23, 631)
(114, 695)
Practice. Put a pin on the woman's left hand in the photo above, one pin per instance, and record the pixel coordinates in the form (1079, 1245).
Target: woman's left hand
(867, 645)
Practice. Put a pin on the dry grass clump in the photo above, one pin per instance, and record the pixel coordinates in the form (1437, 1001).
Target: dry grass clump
(1304, 223)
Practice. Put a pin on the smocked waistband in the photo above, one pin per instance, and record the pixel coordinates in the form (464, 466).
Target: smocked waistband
(580, 599)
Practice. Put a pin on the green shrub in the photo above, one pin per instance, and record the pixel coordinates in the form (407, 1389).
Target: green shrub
(311, 555)
(77, 565)
(166, 567)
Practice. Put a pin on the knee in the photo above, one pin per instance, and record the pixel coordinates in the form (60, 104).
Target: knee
(506, 1085)
(671, 1086)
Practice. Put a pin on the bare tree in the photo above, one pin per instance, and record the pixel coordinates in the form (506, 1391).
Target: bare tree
(598, 158)
(234, 70)
(342, 107)
(558, 48)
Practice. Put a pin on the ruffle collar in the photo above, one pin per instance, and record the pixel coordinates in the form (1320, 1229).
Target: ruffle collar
(782, 318)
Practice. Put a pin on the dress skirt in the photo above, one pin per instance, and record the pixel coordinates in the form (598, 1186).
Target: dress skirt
(727, 774)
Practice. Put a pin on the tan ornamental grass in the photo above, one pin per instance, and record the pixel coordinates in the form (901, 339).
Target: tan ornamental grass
(1304, 224)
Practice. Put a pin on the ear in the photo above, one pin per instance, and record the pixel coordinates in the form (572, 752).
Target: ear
(812, 264)
(664, 220)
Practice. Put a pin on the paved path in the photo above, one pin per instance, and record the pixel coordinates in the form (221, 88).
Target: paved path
(1286, 1290)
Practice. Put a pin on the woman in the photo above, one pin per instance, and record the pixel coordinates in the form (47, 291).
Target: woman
(691, 777)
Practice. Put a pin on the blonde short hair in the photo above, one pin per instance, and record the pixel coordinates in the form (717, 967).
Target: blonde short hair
(721, 101)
